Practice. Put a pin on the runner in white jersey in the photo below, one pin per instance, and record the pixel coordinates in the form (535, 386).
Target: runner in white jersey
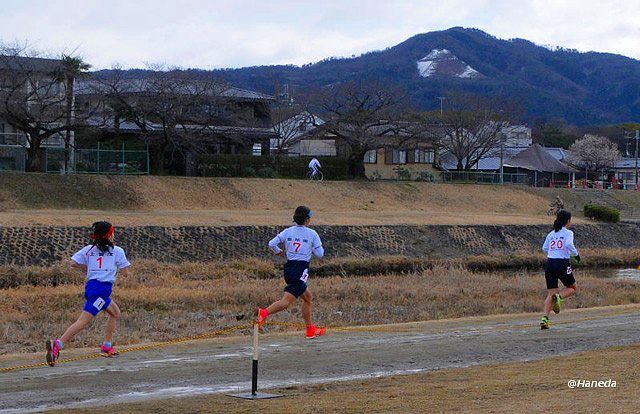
(101, 261)
(300, 243)
(314, 165)
(559, 248)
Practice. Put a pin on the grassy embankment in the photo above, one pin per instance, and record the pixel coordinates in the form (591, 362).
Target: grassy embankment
(163, 301)
(170, 201)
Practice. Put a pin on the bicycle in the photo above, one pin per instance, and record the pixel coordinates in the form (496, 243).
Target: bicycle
(315, 177)
(553, 210)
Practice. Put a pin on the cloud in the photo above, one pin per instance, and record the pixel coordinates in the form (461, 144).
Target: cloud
(221, 33)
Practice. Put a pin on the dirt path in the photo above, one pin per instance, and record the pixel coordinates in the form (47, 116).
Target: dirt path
(222, 365)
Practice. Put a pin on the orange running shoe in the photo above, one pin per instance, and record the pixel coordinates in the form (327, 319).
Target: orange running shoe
(262, 316)
(313, 332)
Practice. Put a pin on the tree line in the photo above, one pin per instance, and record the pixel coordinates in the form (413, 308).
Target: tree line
(182, 112)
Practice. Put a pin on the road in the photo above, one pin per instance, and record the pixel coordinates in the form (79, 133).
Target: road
(223, 365)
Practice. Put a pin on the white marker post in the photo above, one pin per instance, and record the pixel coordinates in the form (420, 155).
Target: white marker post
(255, 395)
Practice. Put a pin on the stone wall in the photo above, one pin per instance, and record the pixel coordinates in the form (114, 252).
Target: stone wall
(46, 245)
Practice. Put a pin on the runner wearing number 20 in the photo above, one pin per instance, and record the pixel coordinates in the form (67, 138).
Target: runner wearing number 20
(101, 260)
(300, 242)
(559, 248)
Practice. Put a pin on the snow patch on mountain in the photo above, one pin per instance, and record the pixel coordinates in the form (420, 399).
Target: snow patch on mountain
(441, 62)
(469, 72)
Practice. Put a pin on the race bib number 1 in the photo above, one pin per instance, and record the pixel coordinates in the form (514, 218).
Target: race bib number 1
(99, 303)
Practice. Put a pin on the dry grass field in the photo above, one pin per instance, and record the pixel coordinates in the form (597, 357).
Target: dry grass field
(171, 201)
(529, 387)
(162, 301)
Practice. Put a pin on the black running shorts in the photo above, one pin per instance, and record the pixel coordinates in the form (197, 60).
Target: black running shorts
(296, 273)
(558, 269)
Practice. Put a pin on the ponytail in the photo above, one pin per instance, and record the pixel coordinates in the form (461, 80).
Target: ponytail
(562, 218)
(102, 232)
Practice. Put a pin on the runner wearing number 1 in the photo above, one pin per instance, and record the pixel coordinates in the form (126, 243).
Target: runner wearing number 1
(100, 260)
(300, 243)
(559, 248)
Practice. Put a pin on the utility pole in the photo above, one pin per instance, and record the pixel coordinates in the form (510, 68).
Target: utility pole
(637, 139)
(442, 98)
(502, 140)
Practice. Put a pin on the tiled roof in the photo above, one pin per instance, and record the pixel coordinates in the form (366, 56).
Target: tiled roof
(10, 62)
(140, 85)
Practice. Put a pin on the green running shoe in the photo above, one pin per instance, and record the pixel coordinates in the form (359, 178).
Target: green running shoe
(544, 322)
(557, 303)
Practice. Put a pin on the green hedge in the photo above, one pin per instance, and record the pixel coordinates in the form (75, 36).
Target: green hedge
(602, 213)
(269, 166)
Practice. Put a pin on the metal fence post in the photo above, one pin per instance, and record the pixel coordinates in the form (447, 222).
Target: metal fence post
(148, 169)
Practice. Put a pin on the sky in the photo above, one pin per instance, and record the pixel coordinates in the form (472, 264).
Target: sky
(212, 34)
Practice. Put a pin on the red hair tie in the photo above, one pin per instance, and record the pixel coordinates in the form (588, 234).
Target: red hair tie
(106, 236)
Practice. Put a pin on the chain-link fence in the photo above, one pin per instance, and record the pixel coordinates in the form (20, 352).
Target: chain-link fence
(99, 161)
(13, 158)
(480, 177)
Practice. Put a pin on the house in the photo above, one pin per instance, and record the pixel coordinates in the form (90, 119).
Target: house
(18, 75)
(297, 137)
(541, 167)
(625, 171)
(230, 120)
(396, 156)
(406, 162)
(516, 138)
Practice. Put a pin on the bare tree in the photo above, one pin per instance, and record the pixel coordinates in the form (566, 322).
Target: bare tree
(34, 101)
(594, 153)
(361, 115)
(73, 67)
(176, 111)
(471, 129)
(290, 122)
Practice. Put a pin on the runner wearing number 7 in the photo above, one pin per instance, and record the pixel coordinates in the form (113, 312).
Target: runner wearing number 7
(559, 248)
(100, 261)
(300, 243)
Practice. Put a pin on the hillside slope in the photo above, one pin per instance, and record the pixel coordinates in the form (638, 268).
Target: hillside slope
(582, 88)
(154, 193)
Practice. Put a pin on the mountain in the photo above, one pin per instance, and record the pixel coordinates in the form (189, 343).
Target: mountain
(579, 88)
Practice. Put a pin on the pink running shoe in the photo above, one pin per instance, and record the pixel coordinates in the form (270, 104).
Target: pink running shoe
(53, 351)
(108, 351)
(313, 332)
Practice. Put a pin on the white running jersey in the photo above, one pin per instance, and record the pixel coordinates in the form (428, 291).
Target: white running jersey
(299, 243)
(559, 245)
(314, 164)
(101, 266)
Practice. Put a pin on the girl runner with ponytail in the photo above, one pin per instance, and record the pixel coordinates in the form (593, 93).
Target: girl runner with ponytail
(300, 242)
(101, 260)
(559, 248)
